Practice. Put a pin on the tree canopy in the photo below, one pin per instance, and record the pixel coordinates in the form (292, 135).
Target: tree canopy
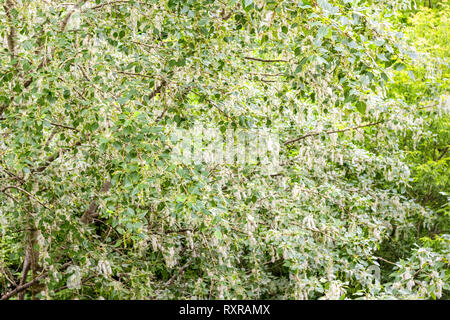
(95, 97)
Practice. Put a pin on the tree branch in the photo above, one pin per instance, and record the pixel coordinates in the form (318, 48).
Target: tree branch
(63, 26)
(51, 159)
(158, 89)
(63, 126)
(11, 36)
(265, 60)
(71, 12)
(442, 153)
(91, 213)
(112, 3)
(21, 288)
(26, 192)
(312, 134)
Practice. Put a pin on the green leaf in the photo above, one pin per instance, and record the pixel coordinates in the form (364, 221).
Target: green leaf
(361, 106)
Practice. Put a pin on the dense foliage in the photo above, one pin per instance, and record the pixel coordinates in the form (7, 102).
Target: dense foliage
(95, 96)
